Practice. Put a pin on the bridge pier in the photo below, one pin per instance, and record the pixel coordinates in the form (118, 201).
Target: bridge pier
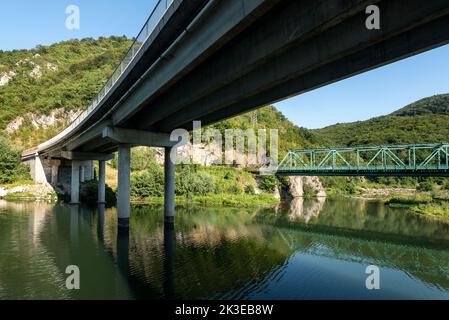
(169, 188)
(101, 182)
(124, 185)
(75, 183)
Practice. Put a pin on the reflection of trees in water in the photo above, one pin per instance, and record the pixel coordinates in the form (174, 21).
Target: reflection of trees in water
(427, 264)
(27, 270)
(214, 254)
(368, 217)
(71, 238)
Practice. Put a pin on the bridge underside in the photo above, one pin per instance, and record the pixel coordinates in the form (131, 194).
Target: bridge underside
(242, 55)
(213, 60)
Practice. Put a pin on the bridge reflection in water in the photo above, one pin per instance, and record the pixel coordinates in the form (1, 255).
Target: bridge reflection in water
(309, 249)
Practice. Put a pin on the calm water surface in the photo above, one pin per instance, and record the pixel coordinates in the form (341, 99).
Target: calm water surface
(305, 250)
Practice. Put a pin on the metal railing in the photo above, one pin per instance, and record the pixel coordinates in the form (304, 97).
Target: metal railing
(401, 158)
(147, 30)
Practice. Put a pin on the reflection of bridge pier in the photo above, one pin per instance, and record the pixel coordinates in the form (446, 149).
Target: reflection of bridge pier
(123, 251)
(100, 223)
(169, 260)
(74, 223)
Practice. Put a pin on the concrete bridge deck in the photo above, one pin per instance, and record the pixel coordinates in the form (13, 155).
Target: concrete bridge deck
(209, 60)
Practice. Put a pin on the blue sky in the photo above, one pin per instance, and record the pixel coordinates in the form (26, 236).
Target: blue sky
(27, 23)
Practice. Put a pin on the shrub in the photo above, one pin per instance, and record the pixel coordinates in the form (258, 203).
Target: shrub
(149, 183)
(89, 194)
(189, 181)
(267, 183)
(446, 184)
(425, 186)
(249, 189)
(11, 168)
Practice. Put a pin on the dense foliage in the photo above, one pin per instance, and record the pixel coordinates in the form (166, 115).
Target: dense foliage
(64, 75)
(290, 135)
(425, 121)
(148, 183)
(11, 169)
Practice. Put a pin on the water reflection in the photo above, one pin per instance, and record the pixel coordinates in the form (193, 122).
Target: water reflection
(305, 209)
(169, 260)
(309, 249)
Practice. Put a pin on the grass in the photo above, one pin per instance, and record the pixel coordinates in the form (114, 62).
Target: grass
(424, 204)
(29, 197)
(17, 184)
(435, 209)
(409, 200)
(240, 200)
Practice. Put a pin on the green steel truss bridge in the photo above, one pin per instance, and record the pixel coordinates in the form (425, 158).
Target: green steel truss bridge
(428, 160)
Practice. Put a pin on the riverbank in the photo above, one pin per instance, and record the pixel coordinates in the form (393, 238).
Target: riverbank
(228, 200)
(434, 203)
(27, 191)
(30, 192)
(429, 204)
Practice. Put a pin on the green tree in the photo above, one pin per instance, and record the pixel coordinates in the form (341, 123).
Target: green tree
(11, 168)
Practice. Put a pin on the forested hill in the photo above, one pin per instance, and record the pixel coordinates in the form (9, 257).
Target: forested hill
(67, 74)
(43, 88)
(424, 121)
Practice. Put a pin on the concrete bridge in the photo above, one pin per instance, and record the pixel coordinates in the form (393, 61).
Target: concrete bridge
(210, 60)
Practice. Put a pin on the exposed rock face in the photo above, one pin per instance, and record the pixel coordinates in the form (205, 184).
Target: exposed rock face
(36, 73)
(298, 186)
(6, 77)
(42, 121)
(204, 154)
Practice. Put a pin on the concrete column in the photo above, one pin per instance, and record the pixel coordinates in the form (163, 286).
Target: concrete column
(54, 174)
(75, 184)
(169, 188)
(83, 172)
(101, 181)
(124, 185)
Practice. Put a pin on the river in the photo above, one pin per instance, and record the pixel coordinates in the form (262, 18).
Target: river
(308, 249)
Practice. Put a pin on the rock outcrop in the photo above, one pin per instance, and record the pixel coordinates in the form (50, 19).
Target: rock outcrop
(6, 77)
(301, 186)
(56, 117)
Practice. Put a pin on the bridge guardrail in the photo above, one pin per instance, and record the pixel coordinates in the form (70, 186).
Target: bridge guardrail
(150, 25)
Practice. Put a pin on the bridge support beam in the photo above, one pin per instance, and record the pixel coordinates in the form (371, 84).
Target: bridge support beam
(101, 182)
(75, 183)
(169, 188)
(124, 185)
